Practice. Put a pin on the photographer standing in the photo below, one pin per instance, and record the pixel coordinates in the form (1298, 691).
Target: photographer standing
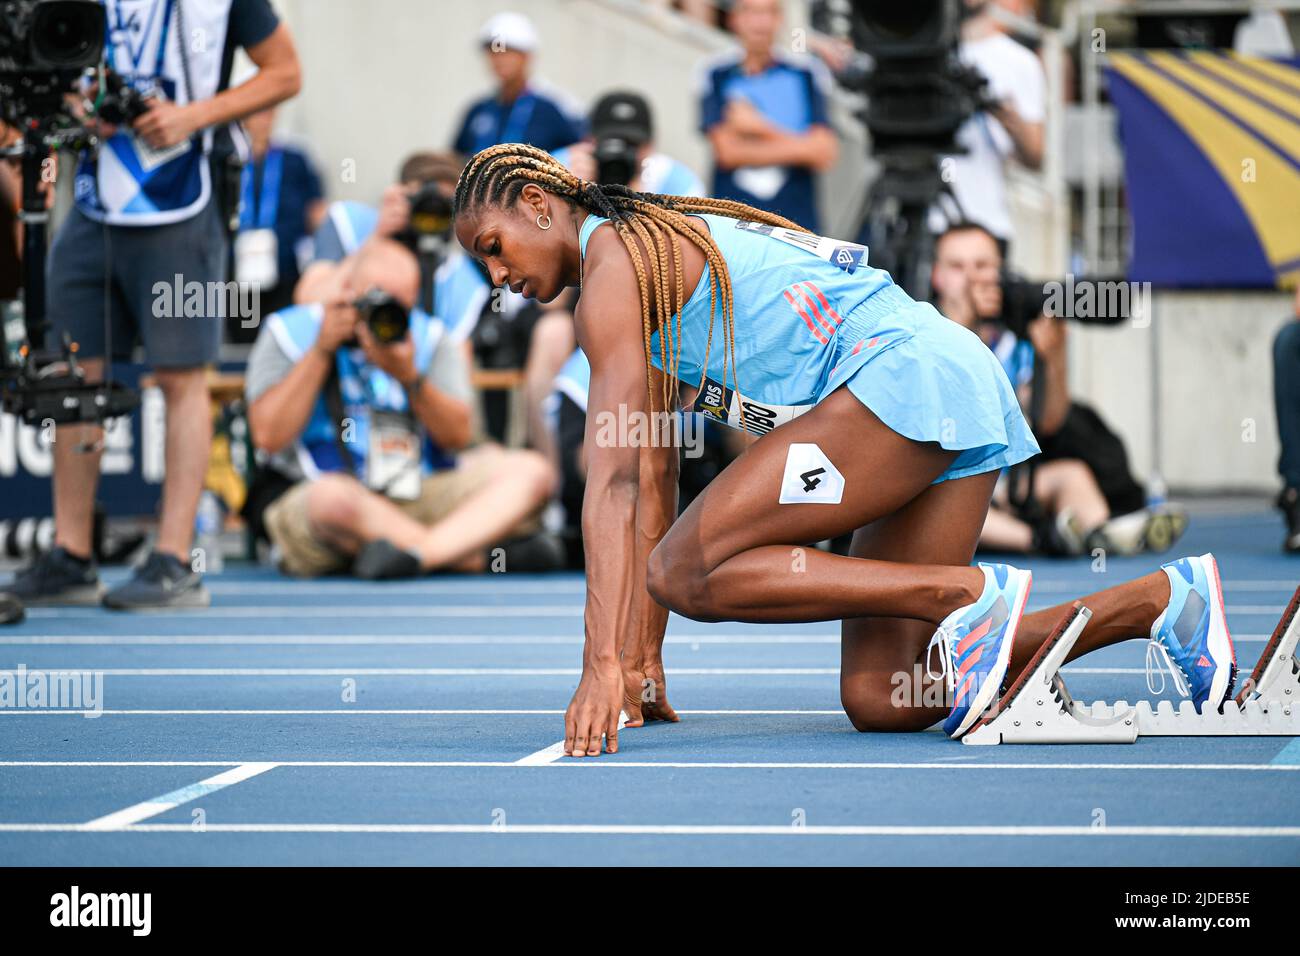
(1013, 129)
(149, 210)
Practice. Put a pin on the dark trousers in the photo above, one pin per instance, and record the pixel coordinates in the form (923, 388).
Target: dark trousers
(1286, 395)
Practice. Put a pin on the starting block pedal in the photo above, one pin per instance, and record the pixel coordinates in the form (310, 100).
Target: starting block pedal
(1038, 707)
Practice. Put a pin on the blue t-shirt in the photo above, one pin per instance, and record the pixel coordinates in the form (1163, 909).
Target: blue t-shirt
(791, 93)
(536, 117)
(1016, 356)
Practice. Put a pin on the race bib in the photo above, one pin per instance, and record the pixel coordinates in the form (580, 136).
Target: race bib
(846, 255)
(393, 464)
(729, 407)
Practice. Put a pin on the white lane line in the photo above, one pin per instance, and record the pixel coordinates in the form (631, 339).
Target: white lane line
(346, 712)
(399, 612)
(350, 611)
(151, 808)
(493, 585)
(486, 640)
(669, 829)
(575, 640)
(620, 762)
(445, 671)
(542, 757)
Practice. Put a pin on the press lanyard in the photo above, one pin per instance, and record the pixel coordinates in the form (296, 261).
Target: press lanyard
(260, 214)
(521, 112)
(122, 27)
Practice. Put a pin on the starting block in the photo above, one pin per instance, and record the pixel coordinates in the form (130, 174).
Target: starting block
(1039, 709)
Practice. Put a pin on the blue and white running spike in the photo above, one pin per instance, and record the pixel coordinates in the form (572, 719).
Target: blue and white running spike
(975, 645)
(1191, 635)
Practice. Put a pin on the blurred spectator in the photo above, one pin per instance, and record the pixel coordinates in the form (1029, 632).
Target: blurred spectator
(361, 438)
(282, 204)
(460, 291)
(1067, 511)
(708, 12)
(622, 132)
(1015, 129)
(1286, 395)
(764, 112)
(521, 110)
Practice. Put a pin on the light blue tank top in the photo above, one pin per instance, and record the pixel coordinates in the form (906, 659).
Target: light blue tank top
(801, 302)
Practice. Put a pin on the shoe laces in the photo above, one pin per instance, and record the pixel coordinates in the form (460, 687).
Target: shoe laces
(1156, 650)
(943, 638)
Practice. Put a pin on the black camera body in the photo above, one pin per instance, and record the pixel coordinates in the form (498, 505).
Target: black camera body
(122, 103)
(430, 211)
(388, 320)
(616, 161)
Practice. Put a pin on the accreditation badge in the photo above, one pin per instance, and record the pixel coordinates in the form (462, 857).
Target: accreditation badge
(393, 463)
(257, 258)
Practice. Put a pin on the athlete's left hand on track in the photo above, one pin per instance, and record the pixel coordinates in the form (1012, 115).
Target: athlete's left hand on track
(594, 711)
(645, 694)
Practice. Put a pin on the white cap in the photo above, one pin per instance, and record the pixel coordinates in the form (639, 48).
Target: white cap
(509, 31)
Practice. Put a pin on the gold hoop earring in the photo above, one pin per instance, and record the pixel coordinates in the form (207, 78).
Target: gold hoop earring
(540, 217)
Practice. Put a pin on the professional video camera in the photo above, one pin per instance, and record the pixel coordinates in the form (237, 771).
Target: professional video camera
(45, 45)
(388, 319)
(919, 94)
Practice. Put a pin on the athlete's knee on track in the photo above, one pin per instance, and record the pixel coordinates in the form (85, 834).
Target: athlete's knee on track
(872, 703)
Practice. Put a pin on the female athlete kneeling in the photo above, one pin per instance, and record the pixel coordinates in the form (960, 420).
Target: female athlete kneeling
(877, 416)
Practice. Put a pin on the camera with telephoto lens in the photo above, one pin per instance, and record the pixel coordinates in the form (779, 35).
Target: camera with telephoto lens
(616, 161)
(388, 319)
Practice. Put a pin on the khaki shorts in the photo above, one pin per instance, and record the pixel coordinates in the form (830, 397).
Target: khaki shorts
(304, 553)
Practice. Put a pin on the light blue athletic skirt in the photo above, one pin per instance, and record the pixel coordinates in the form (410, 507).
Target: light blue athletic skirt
(930, 379)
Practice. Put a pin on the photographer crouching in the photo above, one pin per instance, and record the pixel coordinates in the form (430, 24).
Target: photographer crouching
(360, 402)
(1082, 478)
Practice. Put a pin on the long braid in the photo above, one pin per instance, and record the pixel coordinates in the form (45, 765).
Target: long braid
(495, 177)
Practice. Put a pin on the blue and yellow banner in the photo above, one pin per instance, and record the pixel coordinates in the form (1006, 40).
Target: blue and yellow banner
(1212, 161)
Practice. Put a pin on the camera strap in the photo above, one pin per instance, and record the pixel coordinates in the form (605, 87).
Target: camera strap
(334, 405)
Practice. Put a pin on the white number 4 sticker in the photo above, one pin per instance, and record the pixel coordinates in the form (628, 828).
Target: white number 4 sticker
(810, 478)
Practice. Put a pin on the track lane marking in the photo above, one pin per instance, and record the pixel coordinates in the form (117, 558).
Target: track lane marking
(128, 816)
(627, 829)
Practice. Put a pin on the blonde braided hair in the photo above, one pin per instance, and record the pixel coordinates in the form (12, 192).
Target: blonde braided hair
(495, 177)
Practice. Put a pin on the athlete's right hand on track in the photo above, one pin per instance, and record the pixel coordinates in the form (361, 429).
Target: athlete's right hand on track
(594, 711)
